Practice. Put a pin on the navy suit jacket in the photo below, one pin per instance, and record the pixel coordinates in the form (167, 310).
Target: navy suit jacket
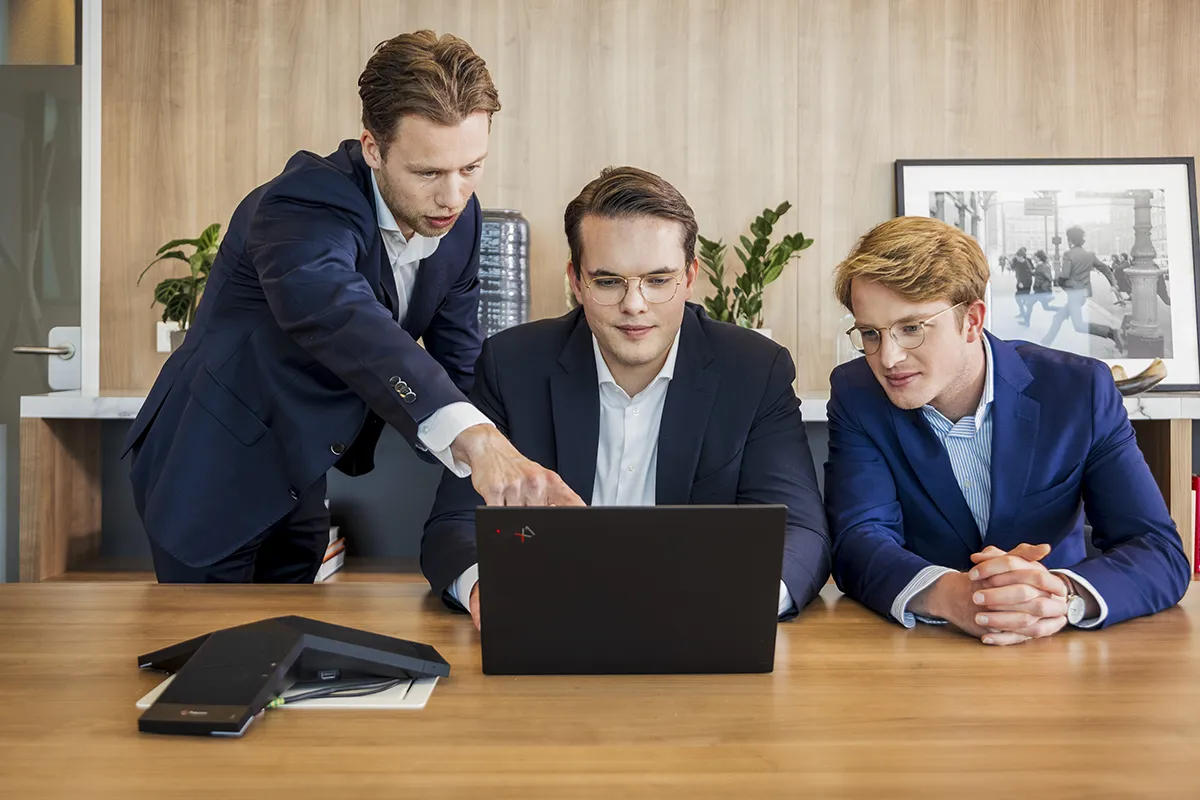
(1061, 445)
(296, 360)
(731, 432)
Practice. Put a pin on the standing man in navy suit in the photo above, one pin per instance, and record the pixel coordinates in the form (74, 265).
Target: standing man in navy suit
(637, 397)
(961, 465)
(305, 342)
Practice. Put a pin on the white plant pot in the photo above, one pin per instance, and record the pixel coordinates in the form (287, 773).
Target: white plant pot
(765, 332)
(177, 339)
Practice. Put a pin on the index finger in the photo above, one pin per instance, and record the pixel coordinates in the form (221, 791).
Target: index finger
(1000, 565)
(991, 551)
(1030, 552)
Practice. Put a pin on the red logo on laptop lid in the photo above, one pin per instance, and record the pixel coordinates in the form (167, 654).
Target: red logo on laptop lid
(526, 533)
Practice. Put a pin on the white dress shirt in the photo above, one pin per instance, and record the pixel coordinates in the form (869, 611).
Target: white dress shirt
(968, 442)
(443, 426)
(626, 452)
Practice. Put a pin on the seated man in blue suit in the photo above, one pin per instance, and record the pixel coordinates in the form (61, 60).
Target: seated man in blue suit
(960, 465)
(637, 397)
(305, 341)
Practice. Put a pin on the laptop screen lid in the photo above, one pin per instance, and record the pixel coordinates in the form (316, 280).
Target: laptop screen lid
(646, 589)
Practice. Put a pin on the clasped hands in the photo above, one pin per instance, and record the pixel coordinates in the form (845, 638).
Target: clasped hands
(1006, 598)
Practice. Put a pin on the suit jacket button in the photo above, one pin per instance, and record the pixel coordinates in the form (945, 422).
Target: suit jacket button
(337, 448)
(392, 381)
(295, 495)
(411, 397)
(402, 387)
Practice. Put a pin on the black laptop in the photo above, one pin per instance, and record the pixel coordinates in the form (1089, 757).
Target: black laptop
(648, 589)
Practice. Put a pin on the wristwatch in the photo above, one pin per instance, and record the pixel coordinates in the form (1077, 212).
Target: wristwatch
(1075, 603)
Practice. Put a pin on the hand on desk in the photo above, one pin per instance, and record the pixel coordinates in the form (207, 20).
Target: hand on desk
(1006, 598)
(504, 477)
(473, 604)
(1017, 595)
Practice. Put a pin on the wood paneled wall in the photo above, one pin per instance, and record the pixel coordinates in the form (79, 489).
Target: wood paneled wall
(740, 103)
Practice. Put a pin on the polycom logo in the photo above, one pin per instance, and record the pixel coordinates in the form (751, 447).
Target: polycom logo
(525, 533)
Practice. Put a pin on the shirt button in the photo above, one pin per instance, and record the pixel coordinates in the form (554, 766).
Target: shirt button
(635, 409)
(631, 467)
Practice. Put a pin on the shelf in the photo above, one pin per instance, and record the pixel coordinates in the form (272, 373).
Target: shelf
(125, 405)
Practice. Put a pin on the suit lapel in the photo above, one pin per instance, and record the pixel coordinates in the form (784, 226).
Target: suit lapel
(689, 403)
(386, 278)
(430, 287)
(575, 408)
(387, 281)
(931, 464)
(1014, 431)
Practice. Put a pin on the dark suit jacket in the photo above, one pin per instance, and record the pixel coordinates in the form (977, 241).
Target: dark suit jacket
(731, 432)
(296, 359)
(1061, 444)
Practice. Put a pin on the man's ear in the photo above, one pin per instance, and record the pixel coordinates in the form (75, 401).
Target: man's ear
(575, 284)
(372, 154)
(976, 312)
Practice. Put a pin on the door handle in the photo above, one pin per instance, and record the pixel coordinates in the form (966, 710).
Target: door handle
(64, 352)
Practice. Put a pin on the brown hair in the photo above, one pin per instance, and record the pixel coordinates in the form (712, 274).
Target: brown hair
(440, 79)
(919, 258)
(629, 192)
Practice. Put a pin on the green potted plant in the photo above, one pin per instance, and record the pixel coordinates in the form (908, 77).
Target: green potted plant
(180, 296)
(763, 263)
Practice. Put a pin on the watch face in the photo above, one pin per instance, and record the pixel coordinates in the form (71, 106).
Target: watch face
(1075, 608)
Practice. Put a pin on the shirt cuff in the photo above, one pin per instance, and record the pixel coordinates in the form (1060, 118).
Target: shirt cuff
(785, 599)
(460, 588)
(920, 582)
(442, 427)
(1084, 586)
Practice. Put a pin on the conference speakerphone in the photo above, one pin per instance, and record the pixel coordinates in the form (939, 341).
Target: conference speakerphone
(225, 678)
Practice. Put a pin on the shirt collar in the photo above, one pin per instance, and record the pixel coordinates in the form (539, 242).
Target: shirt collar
(387, 220)
(604, 374)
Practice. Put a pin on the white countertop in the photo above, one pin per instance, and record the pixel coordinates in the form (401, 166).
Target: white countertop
(75, 405)
(117, 405)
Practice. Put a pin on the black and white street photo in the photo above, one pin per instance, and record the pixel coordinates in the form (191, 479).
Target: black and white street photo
(1068, 269)
(1095, 257)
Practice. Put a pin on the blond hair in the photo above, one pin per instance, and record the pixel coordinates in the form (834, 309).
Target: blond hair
(440, 79)
(918, 258)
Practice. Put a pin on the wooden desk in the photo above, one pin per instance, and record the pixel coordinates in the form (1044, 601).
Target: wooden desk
(856, 707)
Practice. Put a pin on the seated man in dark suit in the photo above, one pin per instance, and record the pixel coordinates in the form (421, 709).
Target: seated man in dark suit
(960, 465)
(638, 397)
(305, 342)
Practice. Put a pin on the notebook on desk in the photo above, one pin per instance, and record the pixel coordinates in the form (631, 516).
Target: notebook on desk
(648, 589)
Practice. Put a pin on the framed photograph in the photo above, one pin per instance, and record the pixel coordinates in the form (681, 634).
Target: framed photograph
(1093, 256)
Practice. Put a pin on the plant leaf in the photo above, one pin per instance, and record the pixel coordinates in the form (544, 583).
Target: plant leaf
(210, 235)
(177, 243)
(173, 254)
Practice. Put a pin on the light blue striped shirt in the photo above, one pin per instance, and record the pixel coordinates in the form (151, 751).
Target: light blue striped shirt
(968, 442)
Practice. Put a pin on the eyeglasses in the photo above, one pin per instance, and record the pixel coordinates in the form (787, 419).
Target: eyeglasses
(909, 335)
(609, 290)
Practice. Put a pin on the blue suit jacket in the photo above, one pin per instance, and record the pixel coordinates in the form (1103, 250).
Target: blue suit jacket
(296, 359)
(731, 432)
(1061, 444)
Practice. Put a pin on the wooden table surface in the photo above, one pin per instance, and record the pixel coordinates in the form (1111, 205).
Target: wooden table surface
(856, 707)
